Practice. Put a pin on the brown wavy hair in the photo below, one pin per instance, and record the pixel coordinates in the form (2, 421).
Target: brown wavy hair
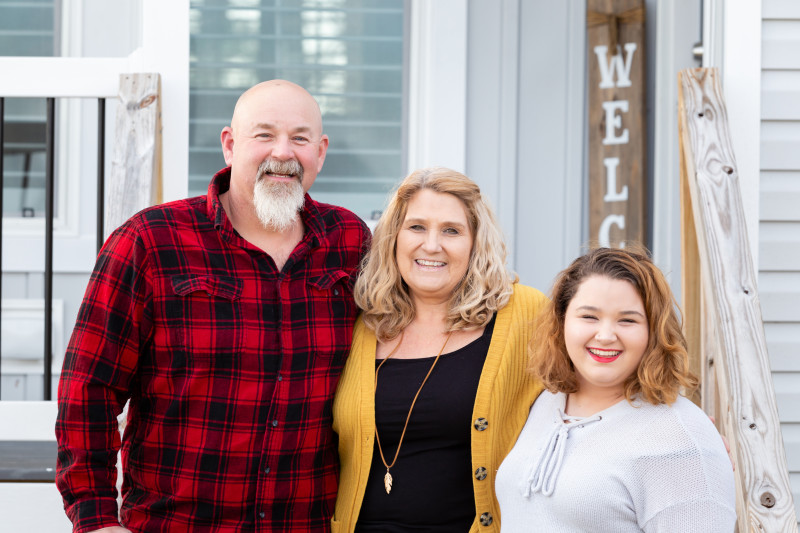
(664, 369)
(380, 291)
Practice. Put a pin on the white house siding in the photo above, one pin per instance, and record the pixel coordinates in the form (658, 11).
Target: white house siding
(779, 225)
(525, 127)
(23, 369)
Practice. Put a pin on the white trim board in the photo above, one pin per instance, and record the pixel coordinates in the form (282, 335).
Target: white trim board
(28, 420)
(41, 77)
(437, 84)
(673, 52)
(33, 507)
(732, 42)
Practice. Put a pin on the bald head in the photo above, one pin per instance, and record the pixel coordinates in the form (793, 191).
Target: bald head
(274, 123)
(277, 92)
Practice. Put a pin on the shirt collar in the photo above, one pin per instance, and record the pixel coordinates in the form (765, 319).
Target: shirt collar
(219, 184)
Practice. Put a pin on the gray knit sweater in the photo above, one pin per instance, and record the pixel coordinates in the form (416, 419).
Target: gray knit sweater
(652, 468)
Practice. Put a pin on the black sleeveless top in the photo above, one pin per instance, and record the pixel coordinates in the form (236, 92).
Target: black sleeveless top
(432, 478)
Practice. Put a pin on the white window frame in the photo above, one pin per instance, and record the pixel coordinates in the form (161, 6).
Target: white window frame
(66, 221)
(164, 48)
(437, 84)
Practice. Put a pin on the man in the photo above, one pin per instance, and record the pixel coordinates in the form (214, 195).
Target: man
(226, 319)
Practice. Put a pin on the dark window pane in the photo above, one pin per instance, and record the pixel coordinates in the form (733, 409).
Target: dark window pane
(24, 157)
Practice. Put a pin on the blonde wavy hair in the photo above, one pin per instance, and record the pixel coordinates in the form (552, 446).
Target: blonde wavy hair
(664, 369)
(382, 294)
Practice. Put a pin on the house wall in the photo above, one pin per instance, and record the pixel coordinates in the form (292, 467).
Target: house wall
(525, 127)
(779, 221)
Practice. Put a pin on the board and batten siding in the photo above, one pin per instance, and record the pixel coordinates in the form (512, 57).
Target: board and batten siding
(779, 215)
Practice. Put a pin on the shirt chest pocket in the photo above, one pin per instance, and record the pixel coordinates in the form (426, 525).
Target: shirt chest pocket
(332, 310)
(205, 315)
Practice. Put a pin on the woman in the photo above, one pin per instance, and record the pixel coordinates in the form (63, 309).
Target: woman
(612, 445)
(434, 392)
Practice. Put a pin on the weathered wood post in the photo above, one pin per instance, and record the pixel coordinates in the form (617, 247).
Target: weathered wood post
(719, 272)
(135, 177)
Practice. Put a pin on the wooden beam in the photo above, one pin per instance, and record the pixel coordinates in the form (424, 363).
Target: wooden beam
(135, 177)
(690, 280)
(732, 325)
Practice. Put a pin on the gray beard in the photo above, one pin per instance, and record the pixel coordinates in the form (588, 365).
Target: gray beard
(278, 204)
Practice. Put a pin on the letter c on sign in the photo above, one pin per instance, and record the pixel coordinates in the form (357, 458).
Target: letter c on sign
(605, 229)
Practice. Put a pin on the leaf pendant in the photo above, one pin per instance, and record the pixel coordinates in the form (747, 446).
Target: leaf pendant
(387, 481)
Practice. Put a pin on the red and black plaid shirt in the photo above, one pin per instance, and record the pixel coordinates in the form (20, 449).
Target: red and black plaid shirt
(230, 367)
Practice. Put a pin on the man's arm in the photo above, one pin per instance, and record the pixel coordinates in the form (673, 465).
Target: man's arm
(99, 364)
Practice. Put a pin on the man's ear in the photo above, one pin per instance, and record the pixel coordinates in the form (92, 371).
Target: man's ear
(323, 150)
(226, 138)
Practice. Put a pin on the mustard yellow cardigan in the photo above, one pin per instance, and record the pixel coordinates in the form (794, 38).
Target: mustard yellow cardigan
(505, 395)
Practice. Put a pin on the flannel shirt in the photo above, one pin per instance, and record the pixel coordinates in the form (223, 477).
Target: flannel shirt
(230, 367)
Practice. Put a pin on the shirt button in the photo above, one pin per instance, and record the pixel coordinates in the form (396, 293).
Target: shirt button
(266, 470)
(336, 292)
(262, 514)
(274, 423)
(280, 378)
(486, 519)
(481, 424)
(480, 474)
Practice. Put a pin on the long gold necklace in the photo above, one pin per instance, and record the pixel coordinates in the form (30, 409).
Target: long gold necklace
(387, 479)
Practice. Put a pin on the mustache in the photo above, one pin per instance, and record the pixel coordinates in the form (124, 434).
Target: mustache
(274, 166)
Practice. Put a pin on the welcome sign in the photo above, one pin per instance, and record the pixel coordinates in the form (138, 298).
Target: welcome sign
(617, 143)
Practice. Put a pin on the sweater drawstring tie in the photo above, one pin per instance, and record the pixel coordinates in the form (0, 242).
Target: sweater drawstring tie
(544, 472)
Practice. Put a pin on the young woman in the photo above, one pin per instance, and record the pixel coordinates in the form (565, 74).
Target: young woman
(612, 445)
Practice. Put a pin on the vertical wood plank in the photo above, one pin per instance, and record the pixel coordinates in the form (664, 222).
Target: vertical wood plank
(135, 177)
(733, 325)
(690, 280)
(617, 132)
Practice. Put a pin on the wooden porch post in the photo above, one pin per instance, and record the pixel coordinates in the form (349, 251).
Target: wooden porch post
(730, 337)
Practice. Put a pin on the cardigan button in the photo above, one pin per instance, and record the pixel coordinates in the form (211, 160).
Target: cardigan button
(486, 519)
(480, 474)
(481, 424)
